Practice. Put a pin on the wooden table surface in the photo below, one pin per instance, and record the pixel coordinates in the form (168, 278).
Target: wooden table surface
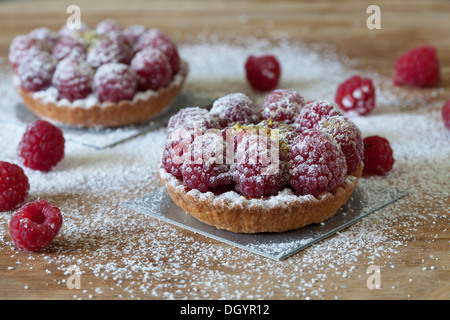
(417, 269)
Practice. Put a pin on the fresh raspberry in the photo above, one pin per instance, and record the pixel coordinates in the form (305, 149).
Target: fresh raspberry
(153, 68)
(235, 108)
(156, 39)
(106, 26)
(191, 118)
(317, 163)
(260, 170)
(282, 105)
(134, 32)
(73, 79)
(176, 151)
(36, 72)
(445, 113)
(115, 82)
(107, 51)
(263, 72)
(70, 46)
(46, 35)
(42, 146)
(378, 156)
(14, 186)
(348, 136)
(356, 94)
(22, 46)
(35, 225)
(315, 111)
(207, 167)
(418, 67)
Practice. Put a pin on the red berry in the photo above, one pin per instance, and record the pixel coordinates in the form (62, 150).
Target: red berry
(418, 67)
(315, 111)
(282, 105)
(356, 94)
(14, 186)
(22, 46)
(153, 68)
(176, 151)
(70, 46)
(134, 32)
(42, 146)
(235, 108)
(35, 225)
(36, 72)
(348, 136)
(317, 163)
(263, 72)
(445, 113)
(107, 26)
(115, 82)
(107, 51)
(73, 79)
(378, 155)
(191, 118)
(46, 35)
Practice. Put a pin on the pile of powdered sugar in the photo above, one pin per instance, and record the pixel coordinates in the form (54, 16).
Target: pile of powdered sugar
(131, 253)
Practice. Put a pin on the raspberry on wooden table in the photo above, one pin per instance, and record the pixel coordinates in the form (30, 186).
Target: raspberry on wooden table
(282, 105)
(356, 94)
(315, 111)
(115, 82)
(14, 186)
(73, 79)
(378, 155)
(36, 72)
(445, 114)
(42, 146)
(34, 226)
(418, 67)
(235, 108)
(263, 72)
(153, 68)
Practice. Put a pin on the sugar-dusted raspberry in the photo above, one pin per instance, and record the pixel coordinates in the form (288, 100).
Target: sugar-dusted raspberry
(314, 112)
(73, 79)
(348, 136)
(70, 46)
(134, 32)
(418, 67)
(260, 169)
(36, 72)
(157, 39)
(46, 35)
(106, 26)
(285, 132)
(176, 151)
(153, 68)
(445, 114)
(378, 155)
(114, 82)
(263, 72)
(42, 146)
(317, 163)
(192, 118)
(24, 45)
(235, 108)
(282, 105)
(14, 186)
(207, 167)
(356, 94)
(34, 226)
(107, 51)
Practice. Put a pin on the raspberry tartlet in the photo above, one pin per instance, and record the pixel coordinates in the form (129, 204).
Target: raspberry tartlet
(105, 77)
(244, 172)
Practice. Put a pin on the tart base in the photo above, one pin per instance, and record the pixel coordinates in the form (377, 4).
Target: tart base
(106, 114)
(233, 212)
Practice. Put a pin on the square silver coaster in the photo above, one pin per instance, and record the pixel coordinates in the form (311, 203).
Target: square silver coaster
(367, 197)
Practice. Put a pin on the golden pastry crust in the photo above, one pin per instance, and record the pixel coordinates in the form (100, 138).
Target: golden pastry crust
(279, 213)
(107, 114)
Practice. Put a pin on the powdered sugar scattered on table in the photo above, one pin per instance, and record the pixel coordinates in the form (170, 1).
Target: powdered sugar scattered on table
(133, 254)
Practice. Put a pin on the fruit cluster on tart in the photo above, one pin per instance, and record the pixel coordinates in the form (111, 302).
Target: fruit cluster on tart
(270, 168)
(108, 76)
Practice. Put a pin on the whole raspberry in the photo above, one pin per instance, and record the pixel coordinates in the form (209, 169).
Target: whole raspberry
(282, 105)
(260, 169)
(42, 146)
(378, 156)
(36, 72)
(176, 151)
(14, 186)
(134, 32)
(191, 118)
(235, 108)
(107, 51)
(315, 111)
(418, 67)
(348, 136)
(263, 72)
(106, 26)
(317, 163)
(154, 38)
(46, 35)
(70, 46)
(445, 113)
(207, 167)
(115, 82)
(24, 45)
(35, 225)
(73, 79)
(356, 94)
(153, 68)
